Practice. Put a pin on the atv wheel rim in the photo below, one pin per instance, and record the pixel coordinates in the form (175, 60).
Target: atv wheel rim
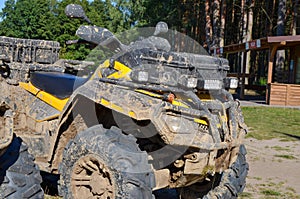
(91, 179)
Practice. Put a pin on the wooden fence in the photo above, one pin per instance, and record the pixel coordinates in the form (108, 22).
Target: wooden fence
(284, 94)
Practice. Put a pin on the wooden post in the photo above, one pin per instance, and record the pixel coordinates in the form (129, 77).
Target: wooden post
(242, 93)
(271, 63)
(272, 53)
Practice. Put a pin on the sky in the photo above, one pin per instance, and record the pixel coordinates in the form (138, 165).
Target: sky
(1, 4)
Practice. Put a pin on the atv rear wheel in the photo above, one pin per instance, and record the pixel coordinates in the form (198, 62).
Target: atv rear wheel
(104, 163)
(19, 176)
(226, 186)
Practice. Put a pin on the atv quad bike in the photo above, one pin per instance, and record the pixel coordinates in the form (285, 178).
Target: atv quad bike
(150, 117)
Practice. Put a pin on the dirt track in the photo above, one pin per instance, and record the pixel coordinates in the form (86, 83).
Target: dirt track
(274, 169)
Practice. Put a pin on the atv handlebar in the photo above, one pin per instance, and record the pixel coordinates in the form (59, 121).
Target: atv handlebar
(69, 42)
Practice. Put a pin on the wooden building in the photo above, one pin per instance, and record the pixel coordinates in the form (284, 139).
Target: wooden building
(279, 91)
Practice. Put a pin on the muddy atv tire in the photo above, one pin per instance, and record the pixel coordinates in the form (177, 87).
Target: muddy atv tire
(19, 176)
(226, 186)
(104, 163)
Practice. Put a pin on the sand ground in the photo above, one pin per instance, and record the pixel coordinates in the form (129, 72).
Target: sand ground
(274, 169)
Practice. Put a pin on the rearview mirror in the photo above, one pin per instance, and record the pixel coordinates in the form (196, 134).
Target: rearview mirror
(161, 27)
(76, 11)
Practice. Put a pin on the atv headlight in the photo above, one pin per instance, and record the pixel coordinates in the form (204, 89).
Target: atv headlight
(213, 84)
(234, 82)
(231, 82)
(188, 81)
(143, 76)
(175, 124)
(192, 82)
(178, 124)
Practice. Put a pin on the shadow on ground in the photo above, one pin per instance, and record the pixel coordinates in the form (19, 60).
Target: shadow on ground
(50, 183)
(287, 134)
(259, 99)
(50, 187)
(292, 136)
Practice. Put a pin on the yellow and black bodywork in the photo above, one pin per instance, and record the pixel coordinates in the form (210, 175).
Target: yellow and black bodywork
(183, 115)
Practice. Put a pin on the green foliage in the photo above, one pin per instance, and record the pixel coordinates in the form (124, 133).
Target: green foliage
(98, 55)
(262, 81)
(162, 11)
(45, 19)
(65, 29)
(27, 19)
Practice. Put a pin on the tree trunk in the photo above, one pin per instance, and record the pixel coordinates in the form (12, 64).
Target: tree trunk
(216, 23)
(208, 27)
(243, 31)
(223, 21)
(281, 17)
(272, 17)
(245, 20)
(295, 16)
(280, 58)
(233, 38)
(249, 36)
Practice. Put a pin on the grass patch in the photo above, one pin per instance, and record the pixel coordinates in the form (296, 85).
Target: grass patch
(257, 178)
(270, 192)
(289, 157)
(245, 195)
(279, 148)
(269, 122)
(291, 189)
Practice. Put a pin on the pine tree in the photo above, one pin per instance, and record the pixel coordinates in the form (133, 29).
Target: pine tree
(27, 19)
(208, 26)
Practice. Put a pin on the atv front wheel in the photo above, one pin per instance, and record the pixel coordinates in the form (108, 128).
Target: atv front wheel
(19, 176)
(104, 163)
(226, 185)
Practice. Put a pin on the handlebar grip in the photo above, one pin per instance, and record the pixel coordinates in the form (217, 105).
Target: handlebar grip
(69, 42)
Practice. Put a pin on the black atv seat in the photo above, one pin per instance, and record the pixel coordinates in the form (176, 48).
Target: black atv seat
(61, 85)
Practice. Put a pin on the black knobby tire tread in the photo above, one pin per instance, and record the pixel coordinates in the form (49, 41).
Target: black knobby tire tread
(111, 145)
(19, 176)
